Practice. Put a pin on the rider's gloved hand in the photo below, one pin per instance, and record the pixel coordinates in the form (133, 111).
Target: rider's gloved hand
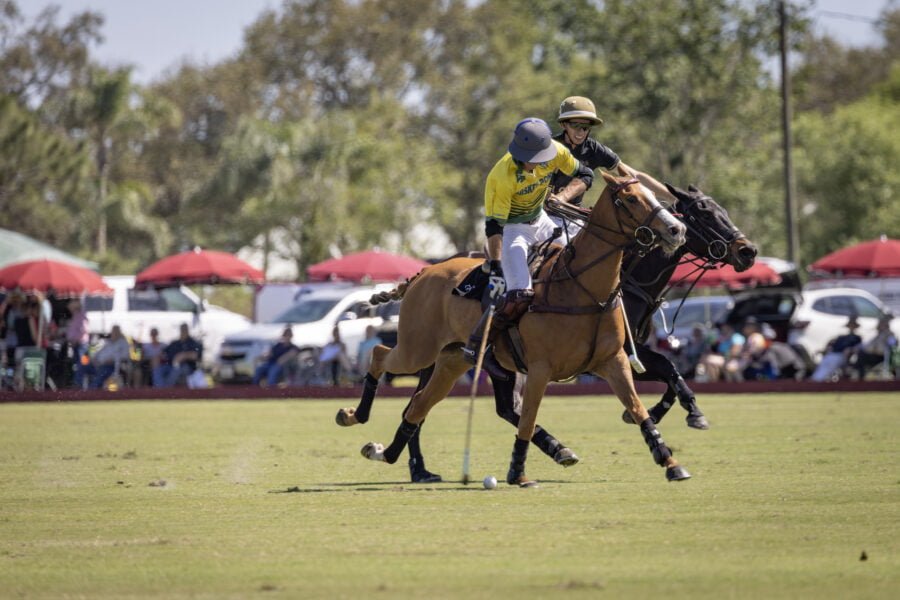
(496, 283)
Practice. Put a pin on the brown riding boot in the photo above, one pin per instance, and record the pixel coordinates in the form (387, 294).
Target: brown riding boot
(508, 311)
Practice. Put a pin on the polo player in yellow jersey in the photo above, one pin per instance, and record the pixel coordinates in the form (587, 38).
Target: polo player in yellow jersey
(514, 197)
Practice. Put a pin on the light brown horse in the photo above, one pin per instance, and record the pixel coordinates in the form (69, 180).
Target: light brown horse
(574, 326)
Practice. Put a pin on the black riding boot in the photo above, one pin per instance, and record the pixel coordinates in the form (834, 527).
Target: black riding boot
(508, 311)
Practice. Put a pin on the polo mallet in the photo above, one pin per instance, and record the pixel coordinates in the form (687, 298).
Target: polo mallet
(636, 363)
(479, 360)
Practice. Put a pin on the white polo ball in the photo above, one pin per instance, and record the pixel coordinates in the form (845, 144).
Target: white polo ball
(490, 482)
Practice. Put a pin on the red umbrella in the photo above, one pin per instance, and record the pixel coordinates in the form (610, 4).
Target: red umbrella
(199, 267)
(65, 279)
(878, 258)
(371, 265)
(725, 276)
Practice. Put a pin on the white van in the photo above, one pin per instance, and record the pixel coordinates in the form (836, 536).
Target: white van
(137, 311)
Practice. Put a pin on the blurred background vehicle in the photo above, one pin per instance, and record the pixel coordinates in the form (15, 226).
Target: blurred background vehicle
(674, 320)
(137, 310)
(312, 319)
(808, 320)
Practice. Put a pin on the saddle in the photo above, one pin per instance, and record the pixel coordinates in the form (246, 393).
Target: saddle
(474, 285)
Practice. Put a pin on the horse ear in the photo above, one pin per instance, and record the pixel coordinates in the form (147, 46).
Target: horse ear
(674, 190)
(608, 178)
(691, 188)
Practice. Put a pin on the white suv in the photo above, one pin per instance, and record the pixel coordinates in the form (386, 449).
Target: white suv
(312, 319)
(809, 320)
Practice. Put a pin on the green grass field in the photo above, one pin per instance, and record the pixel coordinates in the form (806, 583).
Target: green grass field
(271, 499)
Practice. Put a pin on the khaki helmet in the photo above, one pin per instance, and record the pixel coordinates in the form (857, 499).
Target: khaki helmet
(578, 107)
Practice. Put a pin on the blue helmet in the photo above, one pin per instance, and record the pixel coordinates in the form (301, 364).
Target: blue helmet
(532, 142)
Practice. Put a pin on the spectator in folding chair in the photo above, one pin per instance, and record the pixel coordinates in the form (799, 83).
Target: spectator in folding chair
(115, 352)
(877, 351)
(181, 358)
(333, 359)
(277, 359)
(837, 353)
(151, 357)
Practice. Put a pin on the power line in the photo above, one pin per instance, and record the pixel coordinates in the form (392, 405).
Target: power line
(850, 17)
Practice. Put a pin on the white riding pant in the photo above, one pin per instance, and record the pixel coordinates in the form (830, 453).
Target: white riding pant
(573, 227)
(517, 240)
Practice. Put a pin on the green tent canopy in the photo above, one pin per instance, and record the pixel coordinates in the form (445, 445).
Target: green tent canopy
(16, 247)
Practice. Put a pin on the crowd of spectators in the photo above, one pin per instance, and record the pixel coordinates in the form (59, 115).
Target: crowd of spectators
(753, 353)
(58, 331)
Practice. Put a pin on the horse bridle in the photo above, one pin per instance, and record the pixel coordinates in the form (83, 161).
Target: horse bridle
(644, 241)
(717, 245)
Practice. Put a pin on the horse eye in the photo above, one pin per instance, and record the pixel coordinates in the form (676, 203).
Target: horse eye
(630, 199)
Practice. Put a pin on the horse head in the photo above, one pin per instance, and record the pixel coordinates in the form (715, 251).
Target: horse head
(710, 233)
(638, 214)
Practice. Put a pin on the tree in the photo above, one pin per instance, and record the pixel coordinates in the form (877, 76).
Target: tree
(848, 190)
(44, 178)
(39, 64)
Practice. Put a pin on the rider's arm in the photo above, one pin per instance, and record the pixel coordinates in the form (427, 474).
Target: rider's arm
(582, 175)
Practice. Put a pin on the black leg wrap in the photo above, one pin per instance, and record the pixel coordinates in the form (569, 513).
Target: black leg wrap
(662, 407)
(370, 385)
(685, 394)
(654, 440)
(517, 464)
(415, 448)
(404, 432)
(695, 418)
(548, 444)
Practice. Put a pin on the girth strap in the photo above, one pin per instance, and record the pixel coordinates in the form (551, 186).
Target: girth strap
(600, 307)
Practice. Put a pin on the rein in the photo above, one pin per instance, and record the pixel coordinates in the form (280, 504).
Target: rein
(565, 210)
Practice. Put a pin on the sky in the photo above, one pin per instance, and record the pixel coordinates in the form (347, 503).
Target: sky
(156, 36)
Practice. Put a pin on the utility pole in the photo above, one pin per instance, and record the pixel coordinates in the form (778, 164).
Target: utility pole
(789, 207)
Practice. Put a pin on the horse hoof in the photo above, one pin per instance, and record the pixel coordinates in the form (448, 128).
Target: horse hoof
(373, 451)
(697, 421)
(346, 417)
(425, 477)
(677, 473)
(565, 457)
(523, 482)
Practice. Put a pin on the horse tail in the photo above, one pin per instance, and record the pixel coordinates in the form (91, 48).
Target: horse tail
(394, 294)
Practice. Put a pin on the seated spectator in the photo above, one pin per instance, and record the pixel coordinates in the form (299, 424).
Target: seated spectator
(364, 353)
(94, 371)
(690, 354)
(753, 363)
(179, 359)
(838, 353)
(878, 350)
(333, 358)
(722, 361)
(785, 362)
(277, 360)
(151, 357)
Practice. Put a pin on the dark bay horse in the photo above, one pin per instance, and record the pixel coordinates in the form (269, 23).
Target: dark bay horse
(714, 240)
(575, 324)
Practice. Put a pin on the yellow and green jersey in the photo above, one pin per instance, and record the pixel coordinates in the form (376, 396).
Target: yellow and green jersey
(513, 195)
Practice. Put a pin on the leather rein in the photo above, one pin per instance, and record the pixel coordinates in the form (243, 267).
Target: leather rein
(644, 239)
